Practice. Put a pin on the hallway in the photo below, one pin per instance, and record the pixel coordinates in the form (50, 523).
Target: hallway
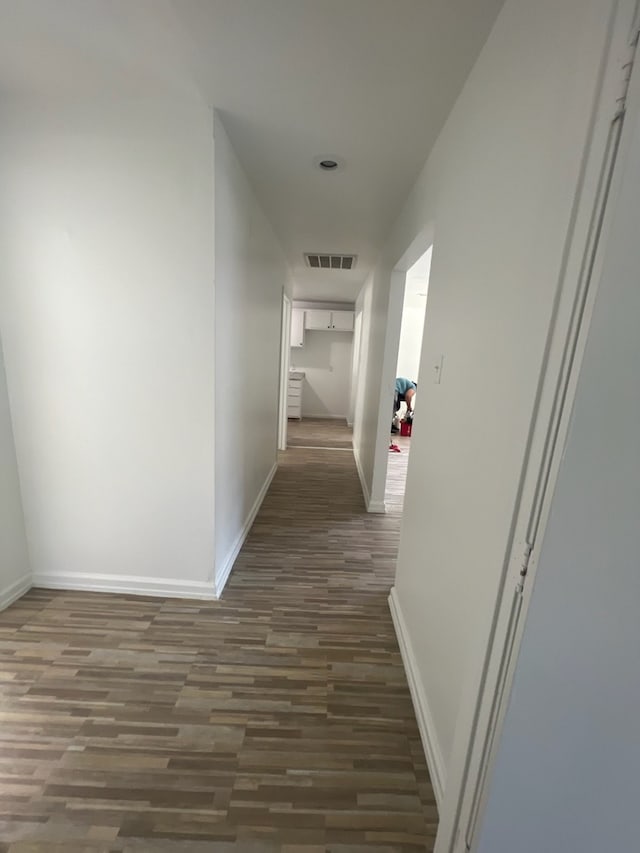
(319, 432)
(276, 719)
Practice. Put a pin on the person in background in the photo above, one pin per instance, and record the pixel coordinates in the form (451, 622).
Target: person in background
(405, 393)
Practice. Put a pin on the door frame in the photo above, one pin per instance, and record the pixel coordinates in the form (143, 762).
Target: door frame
(419, 245)
(285, 352)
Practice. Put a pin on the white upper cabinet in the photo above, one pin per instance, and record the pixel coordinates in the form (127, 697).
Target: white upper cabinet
(342, 321)
(337, 321)
(297, 327)
(314, 318)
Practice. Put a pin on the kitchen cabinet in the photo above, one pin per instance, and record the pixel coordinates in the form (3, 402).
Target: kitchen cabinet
(315, 318)
(297, 327)
(335, 321)
(342, 321)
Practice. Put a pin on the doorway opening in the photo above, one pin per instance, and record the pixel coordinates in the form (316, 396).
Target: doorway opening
(414, 306)
(320, 375)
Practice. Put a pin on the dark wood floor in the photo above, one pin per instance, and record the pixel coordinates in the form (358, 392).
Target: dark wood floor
(276, 719)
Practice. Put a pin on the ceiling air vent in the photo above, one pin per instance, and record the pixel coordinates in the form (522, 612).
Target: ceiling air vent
(330, 262)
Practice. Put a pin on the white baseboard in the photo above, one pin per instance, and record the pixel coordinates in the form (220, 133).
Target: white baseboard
(324, 417)
(138, 585)
(426, 726)
(223, 575)
(134, 585)
(377, 507)
(371, 506)
(14, 591)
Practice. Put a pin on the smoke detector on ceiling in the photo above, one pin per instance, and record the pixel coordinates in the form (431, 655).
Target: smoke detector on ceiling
(318, 261)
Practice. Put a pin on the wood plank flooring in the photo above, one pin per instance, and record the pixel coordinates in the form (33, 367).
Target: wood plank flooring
(319, 432)
(397, 474)
(277, 719)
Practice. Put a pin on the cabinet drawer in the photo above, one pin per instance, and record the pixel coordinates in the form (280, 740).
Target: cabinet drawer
(294, 390)
(294, 411)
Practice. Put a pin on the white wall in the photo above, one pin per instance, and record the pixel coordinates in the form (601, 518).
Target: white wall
(566, 776)
(326, 360)
(365, 415)
(373, 303)
(414, 306)
(355, 364)
(15, 574)
(250, 273)
(106, 308)
(498, 186)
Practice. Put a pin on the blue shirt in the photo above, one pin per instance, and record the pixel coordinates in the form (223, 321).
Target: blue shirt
(404, 385)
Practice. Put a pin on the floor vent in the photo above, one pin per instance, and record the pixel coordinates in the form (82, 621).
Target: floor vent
(329, 262)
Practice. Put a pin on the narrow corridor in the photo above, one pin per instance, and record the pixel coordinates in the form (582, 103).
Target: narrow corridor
(277, 719)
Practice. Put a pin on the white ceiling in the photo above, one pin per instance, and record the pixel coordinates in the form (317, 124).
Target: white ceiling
(370, 81)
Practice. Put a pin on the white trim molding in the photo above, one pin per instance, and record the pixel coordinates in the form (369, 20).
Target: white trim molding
(377, 507)
(14, 591)
(223, 576)
(134, 585)
(371, 506)
(430, 743)
(325, 417)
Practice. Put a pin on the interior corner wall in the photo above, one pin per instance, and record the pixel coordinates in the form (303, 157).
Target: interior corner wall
(498, 191)
(15, 573)
(250, 274)
(106, 314)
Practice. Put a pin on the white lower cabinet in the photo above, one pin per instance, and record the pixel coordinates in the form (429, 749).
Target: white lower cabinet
(294, 395)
